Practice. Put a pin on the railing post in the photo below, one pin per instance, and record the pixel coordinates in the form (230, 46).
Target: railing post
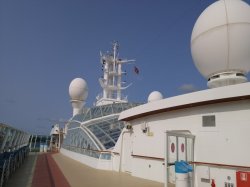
(5, 139)
(11, 143)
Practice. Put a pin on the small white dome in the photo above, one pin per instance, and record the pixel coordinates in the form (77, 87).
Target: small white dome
(154, 96)
(221, 38)
(78, 89)
(55, 129)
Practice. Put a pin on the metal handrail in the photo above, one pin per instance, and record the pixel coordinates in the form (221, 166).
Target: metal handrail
(90, 152)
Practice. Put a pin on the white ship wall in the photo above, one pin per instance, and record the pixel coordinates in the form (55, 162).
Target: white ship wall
(226, 143)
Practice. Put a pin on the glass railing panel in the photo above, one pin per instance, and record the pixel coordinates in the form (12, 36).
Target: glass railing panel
(105, 156)
(92, 153)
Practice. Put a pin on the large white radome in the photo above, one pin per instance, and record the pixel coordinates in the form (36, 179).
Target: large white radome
(78, 89)
(221, 38)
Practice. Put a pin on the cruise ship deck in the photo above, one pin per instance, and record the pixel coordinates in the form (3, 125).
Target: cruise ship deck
(56, 170)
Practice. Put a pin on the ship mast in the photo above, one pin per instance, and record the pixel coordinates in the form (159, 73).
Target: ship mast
(111, 82)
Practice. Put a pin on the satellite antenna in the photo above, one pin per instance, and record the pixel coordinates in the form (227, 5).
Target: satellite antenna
(220, 43)
(78, 91)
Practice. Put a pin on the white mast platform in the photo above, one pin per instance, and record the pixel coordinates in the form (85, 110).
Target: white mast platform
(111, 82)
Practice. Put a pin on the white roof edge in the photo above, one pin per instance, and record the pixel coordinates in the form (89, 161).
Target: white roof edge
(190, 98)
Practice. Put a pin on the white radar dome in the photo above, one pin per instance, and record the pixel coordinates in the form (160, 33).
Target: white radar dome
(154, 96)
(78, 89)
(220, 42)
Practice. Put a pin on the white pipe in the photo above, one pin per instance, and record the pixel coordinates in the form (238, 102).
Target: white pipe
(122, 149)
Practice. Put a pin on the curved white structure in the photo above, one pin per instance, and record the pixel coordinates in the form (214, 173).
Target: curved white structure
(155, 96)
(78, 91)
(220, 42)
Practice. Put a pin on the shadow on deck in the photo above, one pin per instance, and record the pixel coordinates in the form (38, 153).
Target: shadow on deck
(23, 175)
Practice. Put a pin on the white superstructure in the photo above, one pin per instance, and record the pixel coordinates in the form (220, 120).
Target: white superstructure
(218, 119)
(91, 133)
(209, 129)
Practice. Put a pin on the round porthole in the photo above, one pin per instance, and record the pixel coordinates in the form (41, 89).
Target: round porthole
(172, 147)
(182, 147)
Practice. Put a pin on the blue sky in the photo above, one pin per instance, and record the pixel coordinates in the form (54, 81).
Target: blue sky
(45, 44)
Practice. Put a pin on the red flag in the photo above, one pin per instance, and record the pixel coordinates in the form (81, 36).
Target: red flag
(136, 70)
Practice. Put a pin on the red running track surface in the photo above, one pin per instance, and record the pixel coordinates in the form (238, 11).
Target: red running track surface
(47, 173)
